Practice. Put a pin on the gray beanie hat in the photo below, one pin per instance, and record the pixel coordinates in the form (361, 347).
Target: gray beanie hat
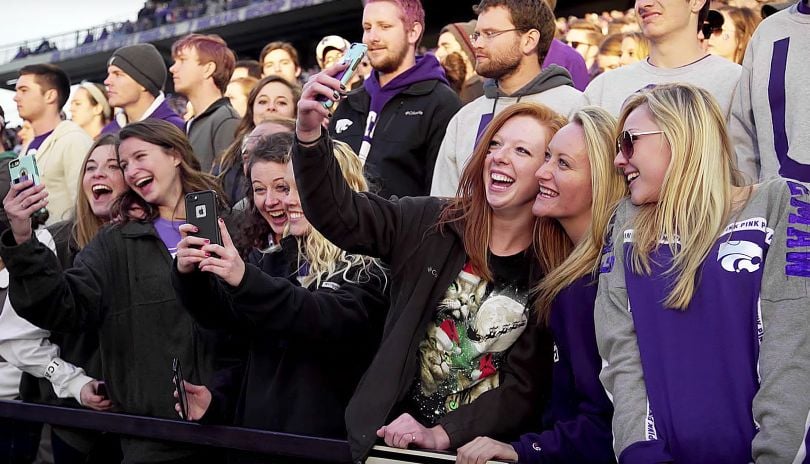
(143, 63)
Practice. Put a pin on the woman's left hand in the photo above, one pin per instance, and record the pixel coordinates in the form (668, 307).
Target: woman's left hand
(227, 264)
(406, 431)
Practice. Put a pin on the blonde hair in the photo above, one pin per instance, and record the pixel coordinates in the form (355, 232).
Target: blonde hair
(695, 200)
(325, 259)
(642, 44)
(566, 261)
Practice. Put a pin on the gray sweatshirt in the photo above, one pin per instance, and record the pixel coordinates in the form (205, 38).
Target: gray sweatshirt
(728, 378)
(770, 124)
(717, 75)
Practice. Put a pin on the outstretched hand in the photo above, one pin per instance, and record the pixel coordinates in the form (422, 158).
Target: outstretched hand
(311, 113)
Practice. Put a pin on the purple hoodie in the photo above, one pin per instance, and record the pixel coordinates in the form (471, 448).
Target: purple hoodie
(565, 56)
(577, 425)
(163, 111)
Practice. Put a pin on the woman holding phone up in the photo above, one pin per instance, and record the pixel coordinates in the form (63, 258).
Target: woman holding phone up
(703, 313)
(459, 357)
(311, 328)
(119, 284)
(71, 360)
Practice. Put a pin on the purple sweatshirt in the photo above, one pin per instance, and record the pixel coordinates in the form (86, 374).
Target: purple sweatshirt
(726, 380)
(163, 111)
(565, 56)
(577, 425)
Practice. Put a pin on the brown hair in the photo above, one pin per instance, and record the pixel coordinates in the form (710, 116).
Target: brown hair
(85, 223)
(286, 46)
(470, 207)
(210, 49)
(171, 140)
(49, 76)
(745, 23)
(527, 15)
(228, 157)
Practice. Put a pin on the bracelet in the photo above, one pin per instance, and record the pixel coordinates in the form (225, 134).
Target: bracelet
(310, 143)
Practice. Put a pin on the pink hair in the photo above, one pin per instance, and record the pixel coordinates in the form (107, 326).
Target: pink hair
(410, 12)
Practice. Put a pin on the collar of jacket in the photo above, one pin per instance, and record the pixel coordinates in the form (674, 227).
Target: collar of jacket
(213, 107)
(359, 99)
(134, 229)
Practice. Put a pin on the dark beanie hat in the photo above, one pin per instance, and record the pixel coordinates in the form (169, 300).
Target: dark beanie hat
(143, 63)
(461, 32)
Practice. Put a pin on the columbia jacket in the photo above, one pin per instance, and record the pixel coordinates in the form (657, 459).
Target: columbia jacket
(407, 134)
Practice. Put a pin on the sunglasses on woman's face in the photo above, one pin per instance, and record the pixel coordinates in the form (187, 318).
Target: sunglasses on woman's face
(713, 24)
(624, 143)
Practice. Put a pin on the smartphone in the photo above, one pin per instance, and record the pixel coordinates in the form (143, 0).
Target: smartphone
(201, 211)
(101, 390)
(182, 398)
(353, 57)
(22, 169)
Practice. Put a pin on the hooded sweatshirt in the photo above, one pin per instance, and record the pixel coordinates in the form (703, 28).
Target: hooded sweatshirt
(552, 87)
(397, 128)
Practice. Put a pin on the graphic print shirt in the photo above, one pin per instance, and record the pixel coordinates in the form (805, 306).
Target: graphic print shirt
(471, 332)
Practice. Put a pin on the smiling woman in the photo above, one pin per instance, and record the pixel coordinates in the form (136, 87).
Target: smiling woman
(120, 289)
(462, 270)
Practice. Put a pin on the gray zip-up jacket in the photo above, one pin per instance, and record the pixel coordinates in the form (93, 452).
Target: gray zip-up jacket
(212, 131)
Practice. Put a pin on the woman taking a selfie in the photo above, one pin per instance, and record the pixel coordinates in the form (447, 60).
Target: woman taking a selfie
(579, 189)
(302, 323)
(702, 310)
(71, 359)
(119, 284)
(459, 349)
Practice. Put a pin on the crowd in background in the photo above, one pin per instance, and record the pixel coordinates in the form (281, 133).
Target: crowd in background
(540, 240)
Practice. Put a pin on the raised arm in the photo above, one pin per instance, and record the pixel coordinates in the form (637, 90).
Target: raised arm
(360, 223)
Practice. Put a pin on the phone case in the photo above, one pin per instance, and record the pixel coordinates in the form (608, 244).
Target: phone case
(22, 169)
(201, 211)
(353, 56)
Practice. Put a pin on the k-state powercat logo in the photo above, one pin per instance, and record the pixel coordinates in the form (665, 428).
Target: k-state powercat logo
(739, 255)
(342, 125)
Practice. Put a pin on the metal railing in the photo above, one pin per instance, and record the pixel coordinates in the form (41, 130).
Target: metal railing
(272, 444)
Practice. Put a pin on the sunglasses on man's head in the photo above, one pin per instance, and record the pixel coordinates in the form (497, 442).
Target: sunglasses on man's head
(625, 140)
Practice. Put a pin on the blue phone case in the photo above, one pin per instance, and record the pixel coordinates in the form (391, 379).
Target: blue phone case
(22, 169)
(353, 56)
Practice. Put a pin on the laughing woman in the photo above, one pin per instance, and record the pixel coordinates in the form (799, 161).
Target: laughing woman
(119, 284)
(459, 357)
(702, 310)
(312, 329)
(579, 189)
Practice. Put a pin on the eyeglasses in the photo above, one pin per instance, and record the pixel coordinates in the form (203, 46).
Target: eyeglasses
(489, 35)
(624, 143)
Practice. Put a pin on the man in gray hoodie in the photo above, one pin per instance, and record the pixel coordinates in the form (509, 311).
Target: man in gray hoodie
(510, 41)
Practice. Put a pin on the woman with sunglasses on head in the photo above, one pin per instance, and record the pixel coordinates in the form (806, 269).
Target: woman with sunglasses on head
(579, 189)
(459, 349)
(71, 360)
(311, 328)
(119, 284)
(702, 311)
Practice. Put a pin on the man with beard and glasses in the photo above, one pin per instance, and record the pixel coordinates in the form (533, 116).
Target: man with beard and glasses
(396, 121)
(511, 40)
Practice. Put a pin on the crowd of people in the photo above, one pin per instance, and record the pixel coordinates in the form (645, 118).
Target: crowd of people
(546, 240)
(153, 14)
